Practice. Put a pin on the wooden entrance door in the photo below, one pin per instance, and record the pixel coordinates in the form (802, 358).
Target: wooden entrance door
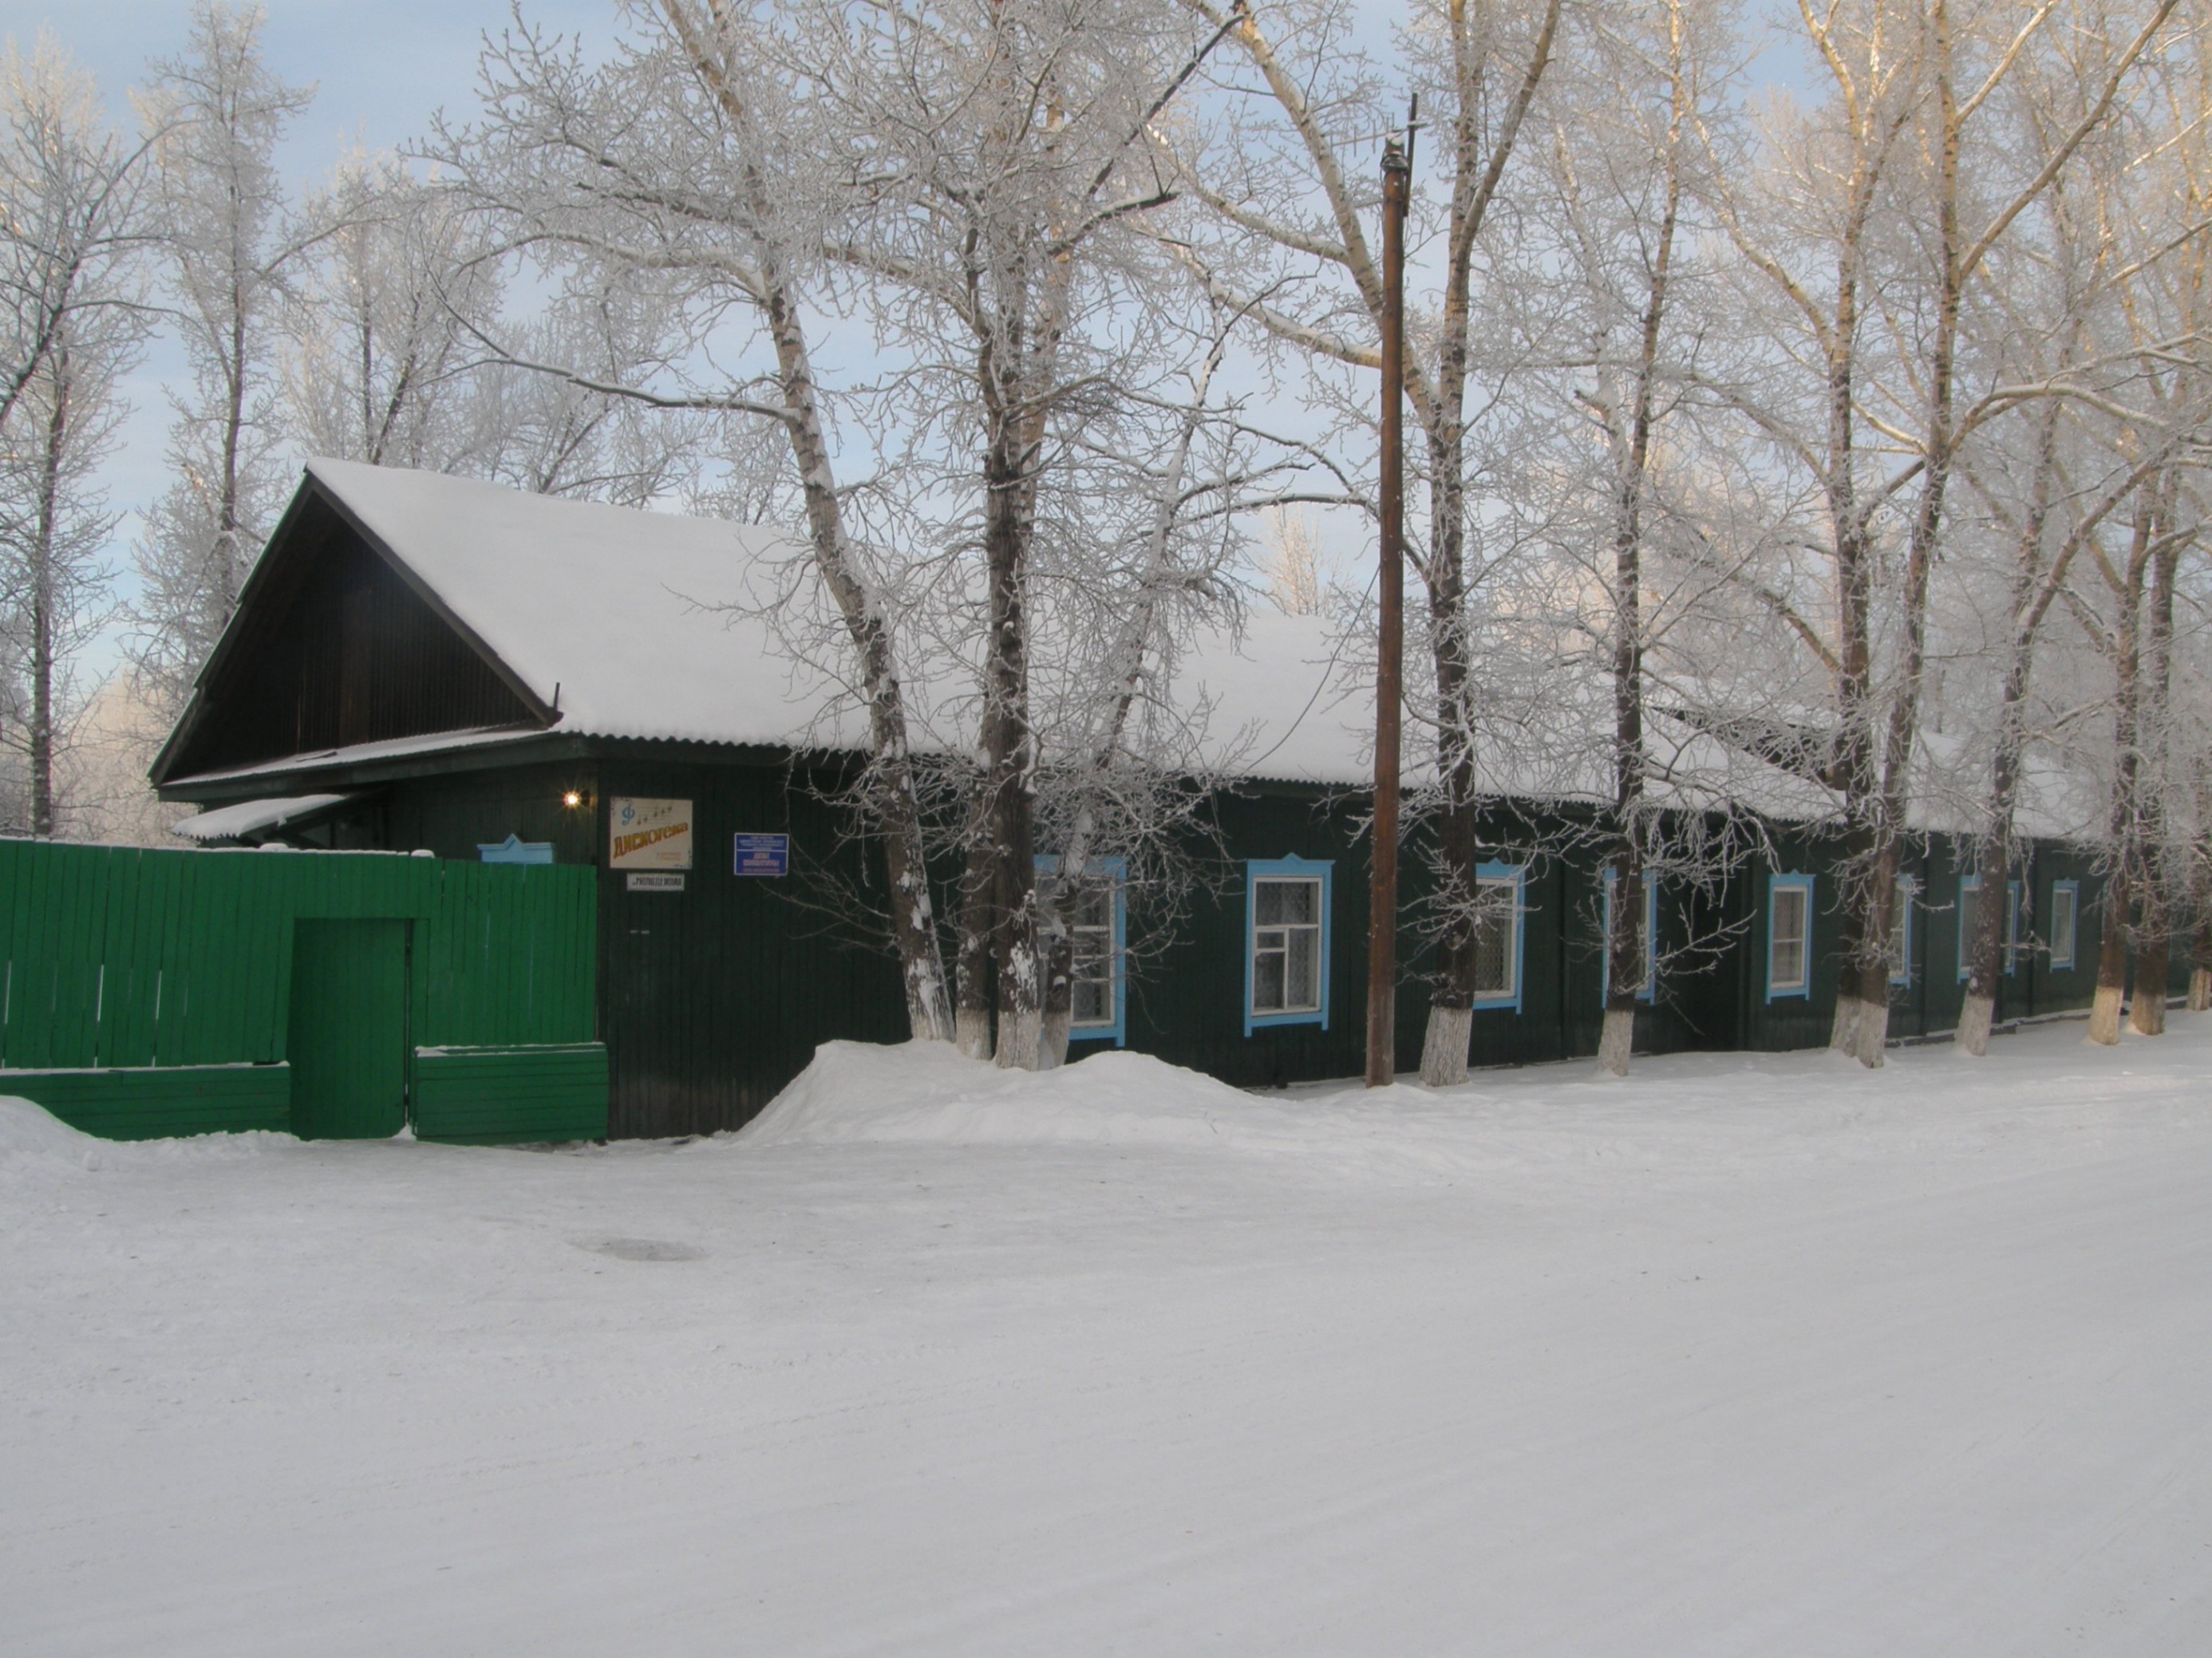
(348, 1036)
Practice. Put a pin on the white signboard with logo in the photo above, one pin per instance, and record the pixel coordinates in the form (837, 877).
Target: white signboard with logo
(648, 834)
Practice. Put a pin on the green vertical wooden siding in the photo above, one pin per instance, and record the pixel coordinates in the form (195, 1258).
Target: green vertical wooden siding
(347, 1033)
(501, 1095)
(140, 964)
(145, 1104)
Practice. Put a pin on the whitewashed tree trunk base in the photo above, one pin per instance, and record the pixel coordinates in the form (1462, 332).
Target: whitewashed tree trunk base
(2104, 1017)
(1974, 1020)
(1052, 1051)
(2200, 990)
(971, 1031)
(1444, 1049)
(1872, 1033)
(1021, 1033)
(1614, 1046)
(2147, 1013)
(1843, 1033)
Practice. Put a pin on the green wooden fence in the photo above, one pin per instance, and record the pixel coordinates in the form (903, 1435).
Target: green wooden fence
(135, 982)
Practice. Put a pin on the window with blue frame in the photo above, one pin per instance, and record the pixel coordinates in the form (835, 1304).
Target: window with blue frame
(1097, 917)
(1650, 988)
(1286, 909)
(1500, 939)
(2065, 921)
(1900, 931)
(1788, 937)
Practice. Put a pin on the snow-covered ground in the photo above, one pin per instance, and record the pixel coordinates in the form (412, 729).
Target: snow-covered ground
(1748, 1355)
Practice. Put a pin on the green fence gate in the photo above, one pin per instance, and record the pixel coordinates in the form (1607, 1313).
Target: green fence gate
(149, 993)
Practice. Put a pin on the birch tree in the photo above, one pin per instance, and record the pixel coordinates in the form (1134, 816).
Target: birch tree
(1279, 170)
(75, 231)
(1623, 151)
(400, 350)
(1004, 150)
(1966, 230)
(231, 243)
(687, 173)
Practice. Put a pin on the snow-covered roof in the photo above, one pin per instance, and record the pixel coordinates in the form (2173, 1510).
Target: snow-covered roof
(1286, 700)
(360, 754)
(627, 623)
(641, 624)
(245, 818)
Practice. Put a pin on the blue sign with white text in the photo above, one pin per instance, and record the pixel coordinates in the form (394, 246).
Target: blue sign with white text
(763, 854)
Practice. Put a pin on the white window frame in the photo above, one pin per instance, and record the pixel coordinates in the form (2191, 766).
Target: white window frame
(1116, 1030)
(1513, 878)
(1320, 872)
(2071, 892)
(1900, 930)
(1802, 987)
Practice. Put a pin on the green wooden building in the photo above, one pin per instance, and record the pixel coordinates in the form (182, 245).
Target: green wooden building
(426, 664)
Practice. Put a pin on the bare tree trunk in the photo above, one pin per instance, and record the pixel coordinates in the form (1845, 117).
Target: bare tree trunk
(1059, 1018)
(2154, 938)
(2147, 1011)
(1475, 178)
(1855, 766)
(2126, 818)
(1844, 1027)
(2033, 593)
(1627, 952)
(1451, 1007)
(1126, 669)
(2200, 951)
(2111, 963)
(893, 796)
(45, 622)
(1009, 746)
(1984, 950)
(1890, 820)
(975, 929)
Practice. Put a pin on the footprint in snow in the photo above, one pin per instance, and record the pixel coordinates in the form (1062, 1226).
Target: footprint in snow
(640, 1248)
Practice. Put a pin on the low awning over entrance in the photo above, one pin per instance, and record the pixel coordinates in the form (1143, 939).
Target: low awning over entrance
(256, 820)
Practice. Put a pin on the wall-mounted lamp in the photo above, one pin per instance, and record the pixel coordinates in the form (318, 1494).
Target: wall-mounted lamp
(572, 798)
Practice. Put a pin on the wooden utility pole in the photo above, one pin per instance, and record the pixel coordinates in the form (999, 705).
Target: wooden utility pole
(1390, 641)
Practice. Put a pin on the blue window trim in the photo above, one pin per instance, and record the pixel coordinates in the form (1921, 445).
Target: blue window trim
(1519, 874)
(1780, 882)
(2072, 944)
(1650, 991)
(1909, 889)
(1257, 870)
(1117, 1032)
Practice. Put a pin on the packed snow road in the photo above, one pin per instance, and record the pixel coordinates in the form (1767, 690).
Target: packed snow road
(1748, 1355)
